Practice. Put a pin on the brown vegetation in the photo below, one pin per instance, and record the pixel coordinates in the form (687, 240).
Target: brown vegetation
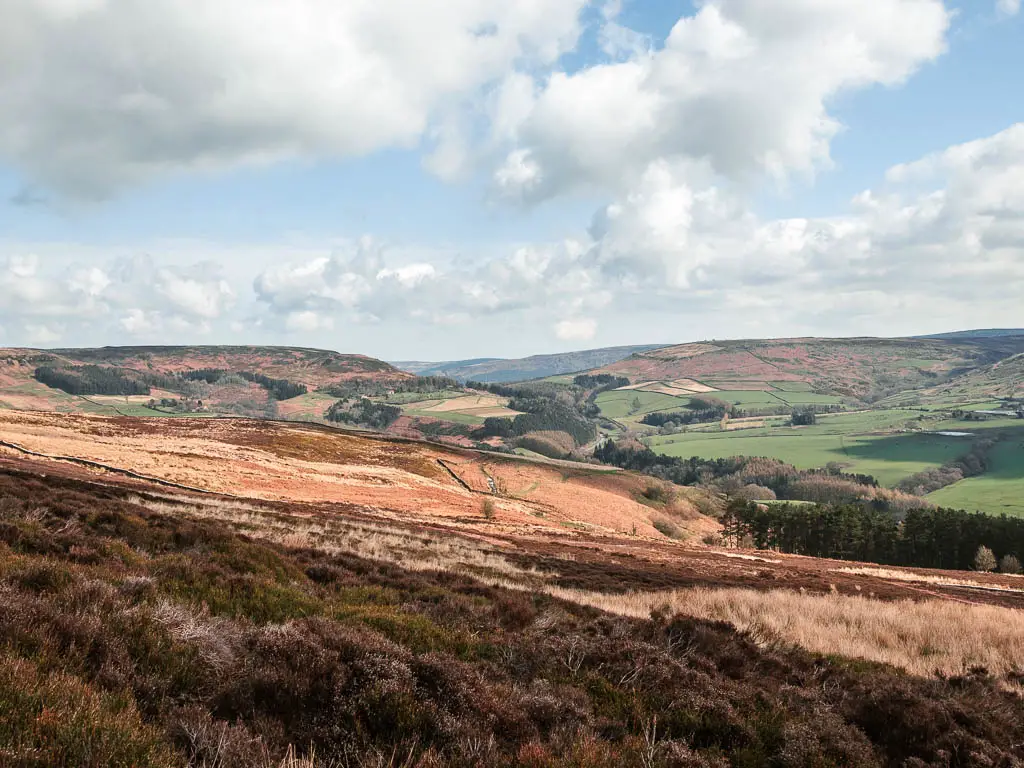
(135, 636)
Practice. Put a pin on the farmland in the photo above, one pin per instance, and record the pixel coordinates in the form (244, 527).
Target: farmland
(458, 407)
(851, 440)
(999, 491)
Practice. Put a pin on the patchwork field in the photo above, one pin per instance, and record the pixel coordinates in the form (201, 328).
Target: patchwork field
(460, 408)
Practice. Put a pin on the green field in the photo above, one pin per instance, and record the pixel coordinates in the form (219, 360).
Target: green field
(999, 491)
(888, 458)
(622, 403)
(852, 439)
(748, 397)
(458, 418)
(403, 398)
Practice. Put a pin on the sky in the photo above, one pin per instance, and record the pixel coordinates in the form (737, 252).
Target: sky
(446, 179)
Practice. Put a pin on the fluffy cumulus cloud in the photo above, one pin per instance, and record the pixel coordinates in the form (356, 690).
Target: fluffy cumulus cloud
(940, 237)
(135, 297)
(673, 135)
(98, 94)
(932, 238)
(741, 84)
(937, 242)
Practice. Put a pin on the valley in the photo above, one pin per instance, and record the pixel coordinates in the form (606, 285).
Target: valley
(517, 573)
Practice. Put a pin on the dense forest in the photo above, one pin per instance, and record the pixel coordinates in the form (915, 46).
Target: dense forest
(364, 413)
(545, 407)
(924, 538)
(600, 381)
(277, 389)
(383, 387)
(90, 380)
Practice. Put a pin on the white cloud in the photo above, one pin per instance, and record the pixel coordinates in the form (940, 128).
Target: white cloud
(135, 296)
(1008, 7)
(99, 94)
(742, 84)
(578, 329)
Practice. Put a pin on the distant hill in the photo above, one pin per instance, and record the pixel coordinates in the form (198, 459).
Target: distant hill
(977, 334)
(312, 367)
(123, 379)
(497, 370)
(861, 368)
(1001, 380)
(421, 368)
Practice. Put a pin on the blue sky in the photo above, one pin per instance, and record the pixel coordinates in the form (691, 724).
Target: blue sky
(327, 221)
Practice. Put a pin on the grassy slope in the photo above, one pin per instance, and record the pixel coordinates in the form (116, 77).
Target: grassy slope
(136, 635)
(999, 491)
(846, 438)
(838, 366)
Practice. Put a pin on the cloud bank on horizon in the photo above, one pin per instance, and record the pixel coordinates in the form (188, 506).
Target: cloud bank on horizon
(676, 138)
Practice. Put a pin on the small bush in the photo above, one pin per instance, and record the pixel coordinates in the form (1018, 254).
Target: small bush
(488, 508)
(668, 528)
(1009, 564)
(56, 720)
(658, 493)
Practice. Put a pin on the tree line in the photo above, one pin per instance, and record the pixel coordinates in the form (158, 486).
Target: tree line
(925, 537)
(383, 387)
(277, 389)
(90, 380)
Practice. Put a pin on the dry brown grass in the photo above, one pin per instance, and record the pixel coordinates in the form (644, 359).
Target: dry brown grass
(920, 637)
(374, 539)
(921, 578)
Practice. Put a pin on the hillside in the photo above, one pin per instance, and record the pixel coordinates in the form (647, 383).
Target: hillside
(979, 333)
(312, 367)
(322, 599)
(1001, 380)
(499, 370)
(158, 372)
(859, 368)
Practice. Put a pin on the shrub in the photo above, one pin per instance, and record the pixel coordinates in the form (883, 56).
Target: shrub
(667, 528)
(57, 720)
(984, 559)
(487, 507)
(1009, 564)
(658, 493)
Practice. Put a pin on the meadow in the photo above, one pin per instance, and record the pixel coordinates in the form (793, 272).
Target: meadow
(864, 442)
(999, 491)
(631, 405)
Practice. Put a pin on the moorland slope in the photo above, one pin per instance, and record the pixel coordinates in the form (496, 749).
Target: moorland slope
(146, 625)
(498, 370)
(860, 368)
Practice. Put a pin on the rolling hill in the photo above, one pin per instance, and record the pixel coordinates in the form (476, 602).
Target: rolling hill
(863, 369)
(500, 370)
(158, 371)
